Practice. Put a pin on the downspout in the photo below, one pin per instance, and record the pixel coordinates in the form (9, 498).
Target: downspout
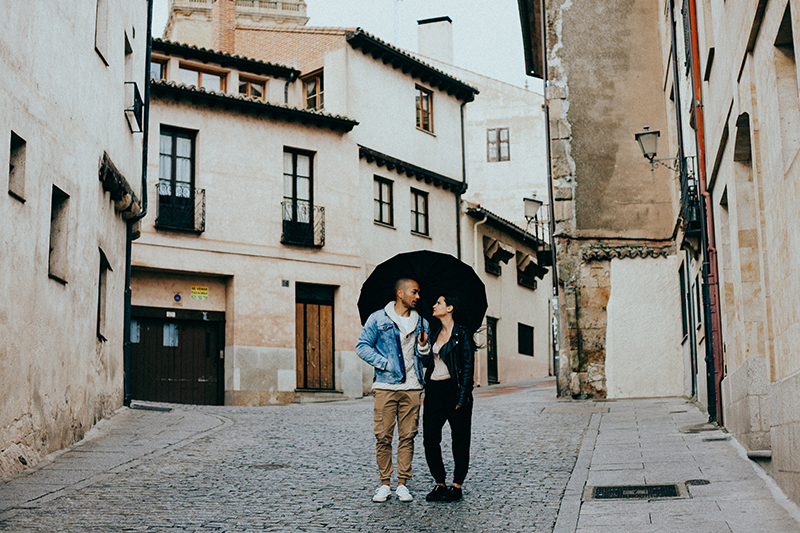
(126, 346)
(475, 268)
(552, 223)
(464, 181)
(711, 310)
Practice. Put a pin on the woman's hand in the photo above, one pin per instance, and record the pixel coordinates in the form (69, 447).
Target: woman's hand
(422, 338)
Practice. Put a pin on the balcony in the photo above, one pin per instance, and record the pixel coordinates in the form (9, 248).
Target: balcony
(182, 209)
(303, 224)
(690, 202)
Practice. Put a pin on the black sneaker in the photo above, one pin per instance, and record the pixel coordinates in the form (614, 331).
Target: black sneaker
(436, 494)
(452, 494)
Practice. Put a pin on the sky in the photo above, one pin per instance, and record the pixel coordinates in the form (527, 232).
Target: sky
(487, 37)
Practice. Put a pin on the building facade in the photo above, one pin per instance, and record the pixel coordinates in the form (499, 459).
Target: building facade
(297, 183)
(71, 131)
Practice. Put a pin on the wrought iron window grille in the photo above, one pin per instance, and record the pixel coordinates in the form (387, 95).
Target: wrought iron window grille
(180, 207)
(303, 224)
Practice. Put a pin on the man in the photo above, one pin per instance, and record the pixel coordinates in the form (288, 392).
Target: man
(388, 343)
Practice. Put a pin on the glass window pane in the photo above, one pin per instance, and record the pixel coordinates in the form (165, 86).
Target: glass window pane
(287, 186)
(256, 90)
(183, 147)
(303, 212)
(288, 168)
(243, 87)
(386, 213)
(135, 331)
(183, 170)
(492, 151)
(165, 146)
(504, 134)
(504, 151)
(377, 210)
(156, 70)
(212, 82)
(164, 167)
(303, 165)
(311, 87)
(170, 335)
(188, 77)
(303, 189)
(377, 189)
(491, 135)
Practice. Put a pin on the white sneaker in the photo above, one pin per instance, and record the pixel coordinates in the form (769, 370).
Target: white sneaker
(382, 493)
(403, 495)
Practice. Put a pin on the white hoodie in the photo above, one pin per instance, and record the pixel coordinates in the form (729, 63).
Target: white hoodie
(408, 343)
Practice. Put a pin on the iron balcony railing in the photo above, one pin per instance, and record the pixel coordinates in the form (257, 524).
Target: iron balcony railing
(690, 202)
(303, 224)
(180, 207)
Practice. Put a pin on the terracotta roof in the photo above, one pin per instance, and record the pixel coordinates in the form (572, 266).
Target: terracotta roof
(408, 64)
(253, 106)
(247, 64)
(410, 170)
(476, 212)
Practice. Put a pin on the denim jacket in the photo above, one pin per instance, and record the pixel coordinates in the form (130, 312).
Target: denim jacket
(379, 345)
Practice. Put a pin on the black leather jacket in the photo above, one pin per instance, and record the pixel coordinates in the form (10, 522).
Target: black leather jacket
(459, 356)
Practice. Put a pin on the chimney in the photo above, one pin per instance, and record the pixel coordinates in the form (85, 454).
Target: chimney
(435, 38)
(223, 25)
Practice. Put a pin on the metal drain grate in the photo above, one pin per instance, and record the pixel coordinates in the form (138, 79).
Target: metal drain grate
(698, 482)
(636, 492)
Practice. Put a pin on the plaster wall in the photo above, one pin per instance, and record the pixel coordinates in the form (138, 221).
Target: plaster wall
(644, 319)
(57, 377)
(511, 304)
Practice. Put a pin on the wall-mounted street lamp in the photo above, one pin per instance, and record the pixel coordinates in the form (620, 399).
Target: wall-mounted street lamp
(648, 142)
(532, 206)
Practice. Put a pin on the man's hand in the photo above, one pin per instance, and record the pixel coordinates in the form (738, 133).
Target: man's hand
(422, 338)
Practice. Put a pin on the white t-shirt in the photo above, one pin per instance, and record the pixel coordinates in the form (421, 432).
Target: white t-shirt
(408, 343)
(440, 371)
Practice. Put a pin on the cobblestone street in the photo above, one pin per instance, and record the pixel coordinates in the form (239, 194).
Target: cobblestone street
(308, 467)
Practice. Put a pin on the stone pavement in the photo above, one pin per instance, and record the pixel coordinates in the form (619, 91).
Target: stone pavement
(311, 468)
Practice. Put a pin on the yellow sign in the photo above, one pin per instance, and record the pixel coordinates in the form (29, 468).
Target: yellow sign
(199, 293)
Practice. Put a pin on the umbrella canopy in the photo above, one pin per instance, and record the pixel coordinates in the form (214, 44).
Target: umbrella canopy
(437, 274)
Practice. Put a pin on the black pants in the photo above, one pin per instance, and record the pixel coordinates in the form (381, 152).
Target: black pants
(441, 398)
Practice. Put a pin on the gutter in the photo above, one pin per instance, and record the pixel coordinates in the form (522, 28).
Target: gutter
(126, 346)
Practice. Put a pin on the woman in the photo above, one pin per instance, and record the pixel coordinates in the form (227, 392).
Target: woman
(450, 371)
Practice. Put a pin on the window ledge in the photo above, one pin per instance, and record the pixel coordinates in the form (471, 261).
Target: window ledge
(426, 131)
(418, 234)
(383, 224)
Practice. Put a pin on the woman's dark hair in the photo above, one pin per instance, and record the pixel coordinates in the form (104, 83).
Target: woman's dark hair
(455, 301)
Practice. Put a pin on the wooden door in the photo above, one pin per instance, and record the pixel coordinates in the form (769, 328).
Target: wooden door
(314, 346)
(314, 337)
(176, 360)
(491, 349)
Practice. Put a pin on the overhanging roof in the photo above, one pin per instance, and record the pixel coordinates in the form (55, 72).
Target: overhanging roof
(530, 15)
(408, 64)
(251, 66)
(496, 221)
(412, 171)
(251, 106)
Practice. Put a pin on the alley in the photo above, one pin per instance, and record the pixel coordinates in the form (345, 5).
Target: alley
(297, 468)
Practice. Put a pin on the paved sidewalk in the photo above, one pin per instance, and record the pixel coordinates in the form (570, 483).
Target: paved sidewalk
(666, 441)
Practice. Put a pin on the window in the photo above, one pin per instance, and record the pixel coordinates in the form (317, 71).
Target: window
(526, 271)
(494, 253)
(419, 212)
(314, 91)
(16, 168)
(424, 109)
(57, 267)
(101, 30)
(158, 69)
(497, 144)
(699, 301)
(251, 88)
(525, 339)
(299, 213)
(210, 81)
(384, 207)
(102, 291)
(176, 180)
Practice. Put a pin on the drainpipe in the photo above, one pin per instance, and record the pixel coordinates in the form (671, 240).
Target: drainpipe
(475, 241)
(464, 180)
(711, 310)
(126, 343)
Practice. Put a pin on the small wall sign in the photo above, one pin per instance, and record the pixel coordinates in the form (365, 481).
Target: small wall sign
(199, 293)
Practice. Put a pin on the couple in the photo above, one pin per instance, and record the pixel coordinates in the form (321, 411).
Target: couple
(395, 340)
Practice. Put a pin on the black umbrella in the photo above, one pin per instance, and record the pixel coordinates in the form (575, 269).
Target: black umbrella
(437, 274)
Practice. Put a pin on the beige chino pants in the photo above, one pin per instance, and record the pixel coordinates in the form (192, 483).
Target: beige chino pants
(401, 408)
